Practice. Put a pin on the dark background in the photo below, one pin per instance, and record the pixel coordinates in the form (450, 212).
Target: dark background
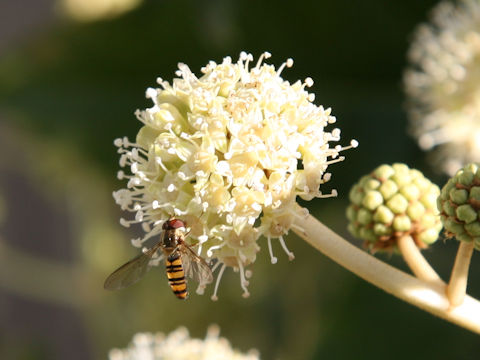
(68, 88)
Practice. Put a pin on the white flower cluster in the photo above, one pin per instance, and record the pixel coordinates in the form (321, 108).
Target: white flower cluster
(228, 153)
(179, 346)
(443, 84)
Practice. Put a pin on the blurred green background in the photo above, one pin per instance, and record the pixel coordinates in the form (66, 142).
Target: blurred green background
(69, 84)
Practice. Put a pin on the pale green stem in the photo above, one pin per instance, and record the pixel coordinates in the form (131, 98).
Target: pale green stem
(428, 296)
(457, 286)
(415, 260)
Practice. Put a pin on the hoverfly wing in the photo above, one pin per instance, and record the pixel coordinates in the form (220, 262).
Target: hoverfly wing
(194, 266)
(129, 273)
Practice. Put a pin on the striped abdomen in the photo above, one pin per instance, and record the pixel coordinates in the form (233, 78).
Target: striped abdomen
(176, 275)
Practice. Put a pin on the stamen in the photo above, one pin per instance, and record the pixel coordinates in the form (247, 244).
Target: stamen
(309, 82)
(290, 254)
(151, 93)
(334, 193)
(265, 55)
(136, 242)
(247, 62)
(124, 223)
(199, 250)
(215, 267)
(219, 277)
(340, 158)
(146, 227)
(156, 259)
(203, 238)
(139, 216)
(273, 259)
(201, 289)
(179, 212)
(288, 64)
(243, 281)
(158, 161)
(214, 247)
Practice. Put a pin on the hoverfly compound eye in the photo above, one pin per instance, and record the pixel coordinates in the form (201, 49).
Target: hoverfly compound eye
(171, 224)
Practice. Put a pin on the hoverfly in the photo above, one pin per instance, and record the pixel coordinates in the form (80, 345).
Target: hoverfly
(181, 260)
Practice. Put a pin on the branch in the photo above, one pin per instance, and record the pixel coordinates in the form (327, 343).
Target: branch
(457, 285)
(429, 296)
(415, 260)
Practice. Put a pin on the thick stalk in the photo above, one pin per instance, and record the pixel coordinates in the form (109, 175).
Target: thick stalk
(428, 296)
(457, 286)
(415, 260)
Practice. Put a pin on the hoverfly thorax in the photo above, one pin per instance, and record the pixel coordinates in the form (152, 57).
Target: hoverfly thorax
(173, 234)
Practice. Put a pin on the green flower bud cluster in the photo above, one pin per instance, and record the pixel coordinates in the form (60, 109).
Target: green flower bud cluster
(459, 205)
(391, 202)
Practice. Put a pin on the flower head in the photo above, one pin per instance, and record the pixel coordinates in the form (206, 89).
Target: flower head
(443, 84)
(179, 346)
(459, 205)
(228, 152)
(391, 202)
(92, 10)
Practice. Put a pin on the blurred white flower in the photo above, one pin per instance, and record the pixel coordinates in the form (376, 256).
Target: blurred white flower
(179, 346)
(443, 84)
(91, 10)
(228, 153)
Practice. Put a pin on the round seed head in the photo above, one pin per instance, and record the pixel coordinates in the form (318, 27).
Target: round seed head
(394, 201)
(459, 205)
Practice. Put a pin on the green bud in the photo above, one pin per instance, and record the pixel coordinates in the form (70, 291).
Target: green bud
(428, 236)
(466, 177)
(410, 192)
(476, 243)
(449, 209)
(356, 195)
(383, 215)
(475, 193)
(364, 216)
(354, 230)
(452, 226)
(372, 184)
(415, 210)
(402, 223)
(372, 200)
(351, 213)
(398, 204)
(402, 174)
(429, 220)
(382, 229)
(388, 189)
(458, 196)
(473, 229)
(383, 172)
(429, 198)
(368, 234)
(466, 213)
